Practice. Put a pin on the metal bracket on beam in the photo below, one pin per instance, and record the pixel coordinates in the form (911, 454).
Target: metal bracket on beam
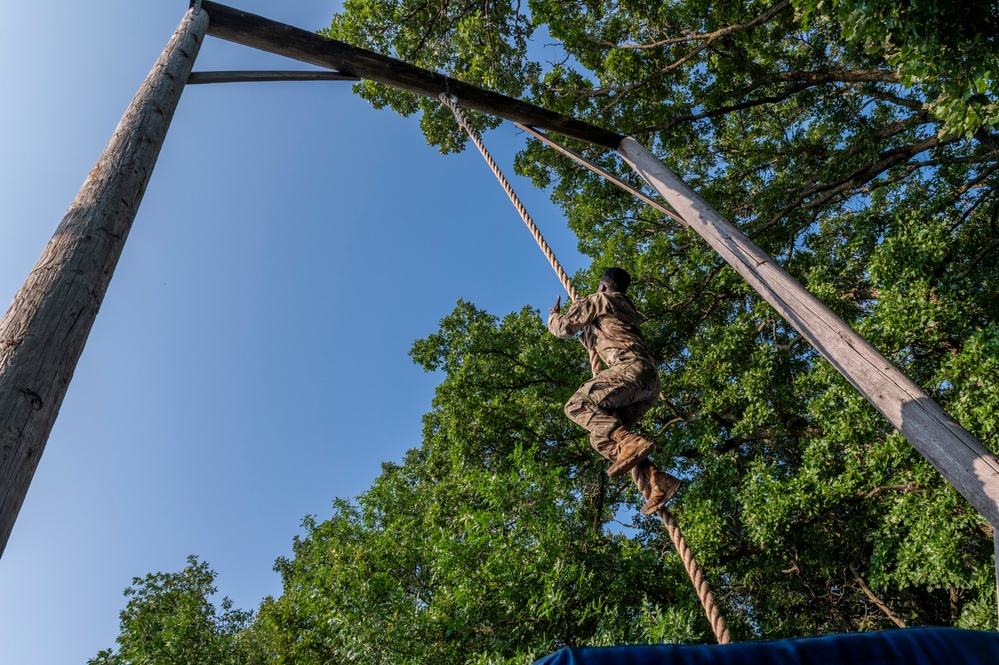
(256, 76)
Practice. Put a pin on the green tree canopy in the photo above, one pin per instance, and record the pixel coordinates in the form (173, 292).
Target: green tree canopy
(170, 618)
(833, 135)
(489, 542)
(853, 142)
(947, 50)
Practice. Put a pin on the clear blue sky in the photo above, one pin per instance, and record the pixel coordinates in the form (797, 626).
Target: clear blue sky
(249, 363)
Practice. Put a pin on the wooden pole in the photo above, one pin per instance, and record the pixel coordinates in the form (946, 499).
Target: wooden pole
(267, 35)
(44, 331)
(951, 449)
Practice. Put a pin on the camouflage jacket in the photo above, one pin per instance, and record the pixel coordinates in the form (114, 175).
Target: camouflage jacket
(609, 324)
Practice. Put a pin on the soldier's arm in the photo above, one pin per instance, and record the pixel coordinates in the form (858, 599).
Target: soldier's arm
(580, 315)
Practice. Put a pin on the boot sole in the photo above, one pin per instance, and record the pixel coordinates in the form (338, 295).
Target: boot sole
(625, 464)
(655, 505)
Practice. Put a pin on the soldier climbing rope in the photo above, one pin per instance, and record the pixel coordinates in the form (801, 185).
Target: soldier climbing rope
(72, 274)
(697, 578)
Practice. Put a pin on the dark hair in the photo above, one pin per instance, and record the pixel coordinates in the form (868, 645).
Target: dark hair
(616, 279)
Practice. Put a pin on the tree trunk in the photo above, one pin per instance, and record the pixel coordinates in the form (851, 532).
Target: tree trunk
(953, 451)
(44, 331)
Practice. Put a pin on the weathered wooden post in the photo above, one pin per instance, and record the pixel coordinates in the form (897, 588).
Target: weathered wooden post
(952, 450)
(44, 331)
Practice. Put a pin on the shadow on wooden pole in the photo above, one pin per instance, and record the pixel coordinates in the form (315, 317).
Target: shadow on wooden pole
(961, 458)
(44, 331)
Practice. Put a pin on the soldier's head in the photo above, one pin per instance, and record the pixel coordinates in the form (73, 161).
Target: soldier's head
(614, 279)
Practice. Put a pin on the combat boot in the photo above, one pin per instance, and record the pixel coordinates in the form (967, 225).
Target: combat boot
(631, 450)
(664, 488)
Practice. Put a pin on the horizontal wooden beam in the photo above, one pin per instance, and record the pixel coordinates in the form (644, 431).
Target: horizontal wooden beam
(267, 35)
(257, 76)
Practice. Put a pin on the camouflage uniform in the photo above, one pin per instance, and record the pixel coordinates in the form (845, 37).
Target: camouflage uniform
(621, 394)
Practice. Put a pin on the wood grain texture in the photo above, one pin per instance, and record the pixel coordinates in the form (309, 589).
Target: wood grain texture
(43, 333)
(267, 35)
(952, 450)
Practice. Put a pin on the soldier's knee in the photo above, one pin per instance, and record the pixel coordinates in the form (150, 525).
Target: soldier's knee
(572, 410)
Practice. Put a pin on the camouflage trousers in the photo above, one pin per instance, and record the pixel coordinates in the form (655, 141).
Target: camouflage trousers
(618, 396)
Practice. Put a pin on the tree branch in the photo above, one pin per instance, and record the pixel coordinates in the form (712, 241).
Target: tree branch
(707, 40)
(703, 36)
(839, 76)
(859, 175)
(906, 488)
(877, 601)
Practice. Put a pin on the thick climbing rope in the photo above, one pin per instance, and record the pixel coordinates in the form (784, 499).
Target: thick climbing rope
(701, 586)
(452, 103)
(697, 578)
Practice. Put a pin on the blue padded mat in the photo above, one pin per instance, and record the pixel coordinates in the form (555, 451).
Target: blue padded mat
(910, 646)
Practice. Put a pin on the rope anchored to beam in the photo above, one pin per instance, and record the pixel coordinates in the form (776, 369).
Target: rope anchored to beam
(452, 103)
